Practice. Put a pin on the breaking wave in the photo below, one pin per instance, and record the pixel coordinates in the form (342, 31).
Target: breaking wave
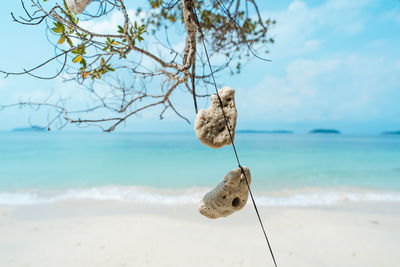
(314, 197)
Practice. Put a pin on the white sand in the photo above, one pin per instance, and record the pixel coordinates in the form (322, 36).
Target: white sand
(106, 233)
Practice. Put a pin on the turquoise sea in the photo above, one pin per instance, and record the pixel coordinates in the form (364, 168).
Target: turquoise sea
(170, 168)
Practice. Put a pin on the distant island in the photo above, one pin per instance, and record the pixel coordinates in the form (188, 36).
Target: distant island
(324, 131)
(30, 129)
(265, 132)
(392, 133)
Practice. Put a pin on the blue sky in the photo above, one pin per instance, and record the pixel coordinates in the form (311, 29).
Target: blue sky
(334, 64)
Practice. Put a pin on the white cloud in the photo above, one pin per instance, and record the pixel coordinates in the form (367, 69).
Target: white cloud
(313, 44)
(349, 85)
(298, 24)
(353, 85)
(110, 24)
(345, 88)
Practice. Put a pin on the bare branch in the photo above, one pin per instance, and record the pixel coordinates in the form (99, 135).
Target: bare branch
(97, 60)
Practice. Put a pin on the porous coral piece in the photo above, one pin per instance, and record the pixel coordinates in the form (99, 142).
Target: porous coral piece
(227, 197)
(77, 6)
(210, 126)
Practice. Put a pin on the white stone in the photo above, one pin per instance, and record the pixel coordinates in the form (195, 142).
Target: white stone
(77, 6)
(229, 196)
(210, 126)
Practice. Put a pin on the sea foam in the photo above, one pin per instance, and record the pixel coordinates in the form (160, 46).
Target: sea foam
(144, 195)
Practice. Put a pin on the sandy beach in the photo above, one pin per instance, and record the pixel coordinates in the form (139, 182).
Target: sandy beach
(118, 118)
(109, 233)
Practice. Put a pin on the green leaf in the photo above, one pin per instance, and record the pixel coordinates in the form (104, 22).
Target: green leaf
(120, 29)
(56, 30)
(109, 68)
(69, 41)
(65, 5)
(84, 64)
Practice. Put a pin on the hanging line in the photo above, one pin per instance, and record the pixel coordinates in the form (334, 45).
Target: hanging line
(231, 137)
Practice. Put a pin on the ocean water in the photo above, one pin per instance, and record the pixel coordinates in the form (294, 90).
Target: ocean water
(287, 169)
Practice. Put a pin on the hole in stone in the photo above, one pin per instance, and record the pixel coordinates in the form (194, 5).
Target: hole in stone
(222, 129)
(223, 197)
(236, 202)
(227, 102)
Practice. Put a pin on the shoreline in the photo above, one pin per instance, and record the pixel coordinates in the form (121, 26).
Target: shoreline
(300, 197)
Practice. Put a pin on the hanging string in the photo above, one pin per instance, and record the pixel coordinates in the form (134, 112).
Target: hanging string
(231, 138)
